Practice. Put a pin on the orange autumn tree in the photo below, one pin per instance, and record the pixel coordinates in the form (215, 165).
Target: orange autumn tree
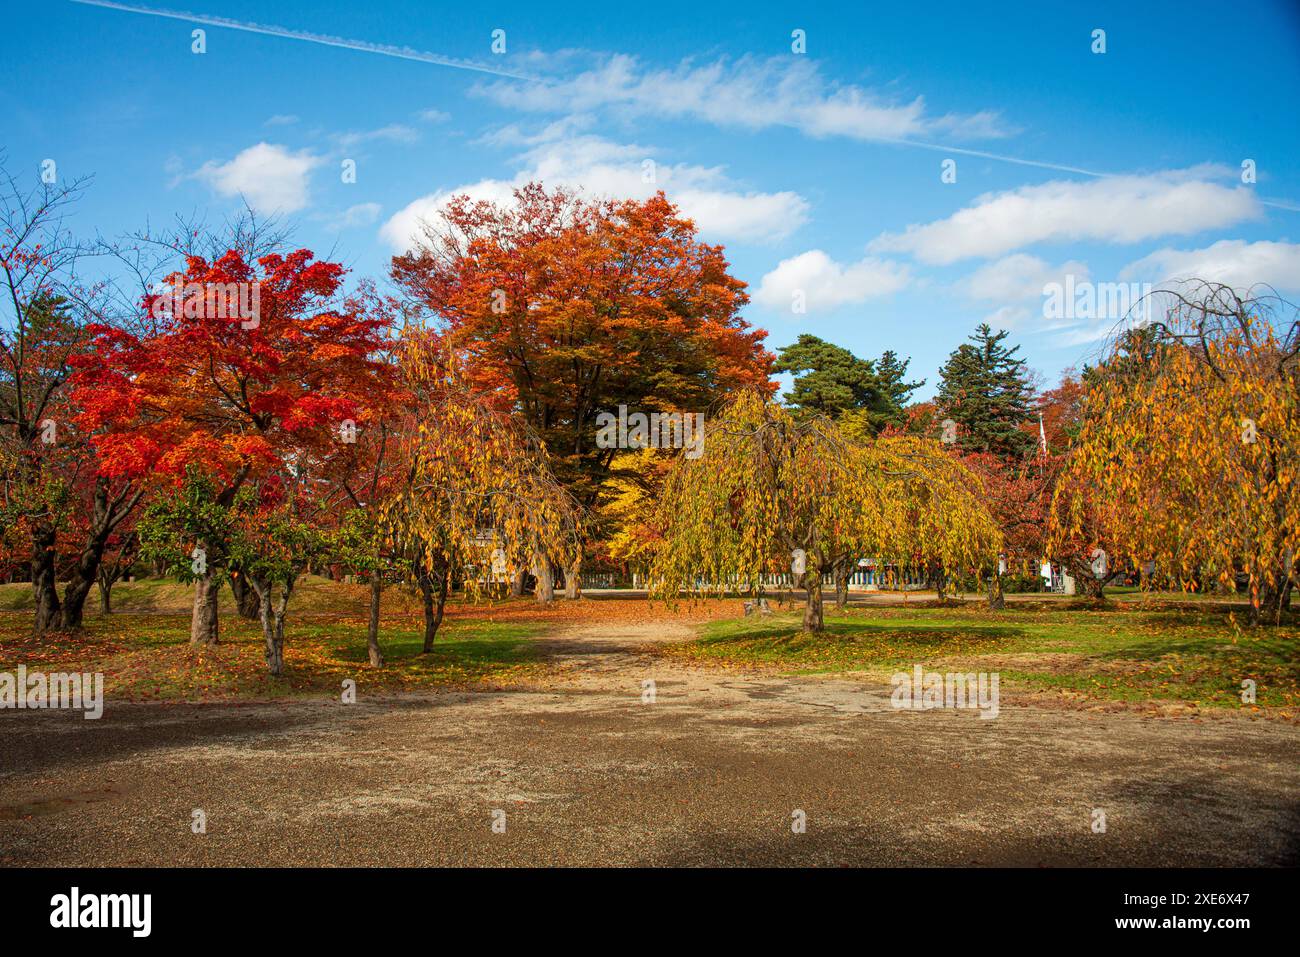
(245, 370)
(769, 491)
(569, 307)
(1191, 445)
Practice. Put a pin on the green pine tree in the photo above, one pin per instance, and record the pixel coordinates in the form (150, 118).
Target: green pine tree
(830, 380)
(984, 388)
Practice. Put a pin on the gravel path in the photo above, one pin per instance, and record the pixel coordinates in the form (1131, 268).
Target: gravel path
(711, 771)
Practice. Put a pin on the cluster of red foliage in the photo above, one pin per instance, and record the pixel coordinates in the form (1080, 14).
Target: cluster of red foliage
(231, 395)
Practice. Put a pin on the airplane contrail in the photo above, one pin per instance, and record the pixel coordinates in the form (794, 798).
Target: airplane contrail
(363, 46)
(406, 53)
(1002, 157)
(1039, 164)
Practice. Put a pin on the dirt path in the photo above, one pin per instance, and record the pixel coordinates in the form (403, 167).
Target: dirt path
(708, 770)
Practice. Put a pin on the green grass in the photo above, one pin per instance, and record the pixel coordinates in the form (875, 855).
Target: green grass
(1118, 653)
(1139, 648)
(312, 592)
(145, 653)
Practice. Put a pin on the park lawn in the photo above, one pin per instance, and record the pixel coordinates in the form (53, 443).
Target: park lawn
(147, 656)
(312, 593)
(1126, 652)
(144, 653)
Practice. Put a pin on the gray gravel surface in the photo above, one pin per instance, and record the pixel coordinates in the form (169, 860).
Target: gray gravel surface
(587, 773)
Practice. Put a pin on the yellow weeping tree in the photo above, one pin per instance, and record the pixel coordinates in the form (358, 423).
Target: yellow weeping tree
(1190, 446)
(478, 494)
(772, 494)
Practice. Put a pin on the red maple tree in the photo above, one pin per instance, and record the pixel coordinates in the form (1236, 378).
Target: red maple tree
(236, 394)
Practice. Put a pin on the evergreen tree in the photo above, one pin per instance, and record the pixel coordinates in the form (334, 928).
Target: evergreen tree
(830, 380)
(984, 387)
(891, 373)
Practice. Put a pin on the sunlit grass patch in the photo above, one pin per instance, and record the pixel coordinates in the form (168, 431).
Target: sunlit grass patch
(1127, 653)
(148, 657)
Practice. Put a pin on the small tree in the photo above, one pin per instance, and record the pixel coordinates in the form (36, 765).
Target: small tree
(189, 531)
(771, 493)
(985, 389)
(120, 555)
(477, 489)
(274, 545)
(1191, 444)
(369, 547)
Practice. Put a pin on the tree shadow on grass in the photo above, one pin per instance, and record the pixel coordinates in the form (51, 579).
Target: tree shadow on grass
(500, 647)
(857, 642)
(1271, 649)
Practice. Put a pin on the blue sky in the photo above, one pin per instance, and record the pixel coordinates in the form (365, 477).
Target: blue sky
(819, 171)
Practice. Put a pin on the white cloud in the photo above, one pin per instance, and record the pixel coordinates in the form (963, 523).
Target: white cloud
(760, 217)
(514, 135)
(1016, 283)
(433, 116)
(392, 133)
(1234, 262)
(269, 177)
(826, 284)
(1009, 317)
(362, 214)
(1118, 209)
(405, 227)
(749, 93)
(601, 168)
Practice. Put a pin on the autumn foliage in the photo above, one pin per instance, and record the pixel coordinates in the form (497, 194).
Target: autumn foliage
(769, 486)
(248, 419)
(1191, 441)
(566, 307)
(234, 395)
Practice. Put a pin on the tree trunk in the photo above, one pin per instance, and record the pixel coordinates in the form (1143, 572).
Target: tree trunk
(85, 575)
(572, 580)
(74, 602)
(105, 594)
(106, 515)
(843, 569)
(1094, 588)
(1284, 598)
(433, 611)
(49, 615)
(545, 590)
(517, 583)
(273, 635)
(372, 631)
(938, 580)
(997, 600)
(425, 582)
(204, 622)
(246, 600)
(272, 613)
(1266, 605)
(814, 619)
